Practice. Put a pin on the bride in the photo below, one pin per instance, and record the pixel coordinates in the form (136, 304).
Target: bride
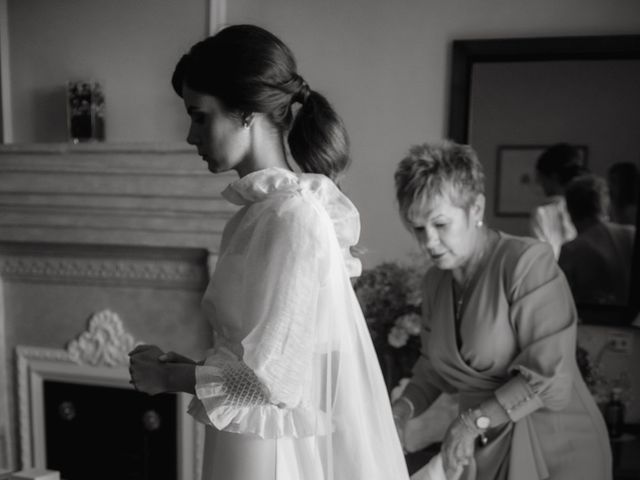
(291, 388)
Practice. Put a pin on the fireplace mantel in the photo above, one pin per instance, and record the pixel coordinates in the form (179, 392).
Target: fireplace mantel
(110, 194)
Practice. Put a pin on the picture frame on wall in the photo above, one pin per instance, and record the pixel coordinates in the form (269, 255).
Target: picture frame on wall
(517, 191)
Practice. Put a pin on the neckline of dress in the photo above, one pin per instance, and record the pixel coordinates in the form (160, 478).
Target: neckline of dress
(259, 184)
(459, 310)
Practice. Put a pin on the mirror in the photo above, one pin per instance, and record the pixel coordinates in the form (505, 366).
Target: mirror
(512, 98)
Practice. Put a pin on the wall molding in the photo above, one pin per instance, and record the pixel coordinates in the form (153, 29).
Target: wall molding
(5, 76)
(217, 15)
(151, 272)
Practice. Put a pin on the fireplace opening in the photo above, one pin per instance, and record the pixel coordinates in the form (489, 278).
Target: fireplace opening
(102, 432)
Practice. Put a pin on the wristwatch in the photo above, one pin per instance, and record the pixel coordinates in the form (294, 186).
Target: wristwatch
(481, 421)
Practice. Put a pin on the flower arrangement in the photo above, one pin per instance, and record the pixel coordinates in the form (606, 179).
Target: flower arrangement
(390, 297)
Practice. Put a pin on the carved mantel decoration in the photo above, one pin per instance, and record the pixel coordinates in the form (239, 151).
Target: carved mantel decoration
(104, 343)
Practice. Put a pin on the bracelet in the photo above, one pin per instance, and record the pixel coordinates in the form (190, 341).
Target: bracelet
(409, 404)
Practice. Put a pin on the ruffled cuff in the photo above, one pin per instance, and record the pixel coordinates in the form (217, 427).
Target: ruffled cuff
(244, 410)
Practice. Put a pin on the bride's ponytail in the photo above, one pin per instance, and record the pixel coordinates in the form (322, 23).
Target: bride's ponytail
(318, 139)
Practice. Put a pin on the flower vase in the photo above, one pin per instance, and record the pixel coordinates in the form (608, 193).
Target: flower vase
(85, 111)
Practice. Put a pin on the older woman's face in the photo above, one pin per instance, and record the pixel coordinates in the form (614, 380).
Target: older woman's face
(446, 232)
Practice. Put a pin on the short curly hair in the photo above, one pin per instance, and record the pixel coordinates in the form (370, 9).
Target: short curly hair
(436, 169)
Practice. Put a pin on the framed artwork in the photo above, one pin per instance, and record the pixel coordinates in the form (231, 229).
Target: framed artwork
(517, 191)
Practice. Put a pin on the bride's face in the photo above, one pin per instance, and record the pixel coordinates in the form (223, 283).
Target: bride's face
(219, 135)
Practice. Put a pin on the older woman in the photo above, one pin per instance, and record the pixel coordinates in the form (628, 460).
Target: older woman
(499, 329)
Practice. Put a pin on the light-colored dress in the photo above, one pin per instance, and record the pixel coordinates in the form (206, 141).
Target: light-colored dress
(516, 341)
(292, 389)
(552, 223)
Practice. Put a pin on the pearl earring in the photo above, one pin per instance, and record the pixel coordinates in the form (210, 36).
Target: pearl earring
(479, 223)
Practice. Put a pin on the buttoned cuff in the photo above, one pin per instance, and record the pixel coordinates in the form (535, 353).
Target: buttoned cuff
(518, 398)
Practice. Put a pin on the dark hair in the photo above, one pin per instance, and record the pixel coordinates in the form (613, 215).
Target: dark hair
(587, 197)
(563, 161)
(435, 169)
(624, 183)
(250, 70)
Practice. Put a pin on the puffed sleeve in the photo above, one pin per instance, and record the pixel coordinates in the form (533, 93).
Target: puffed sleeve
(426, 384)
(544, 319)
(285, 268)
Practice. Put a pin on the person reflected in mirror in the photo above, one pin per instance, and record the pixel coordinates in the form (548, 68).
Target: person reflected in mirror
(499, 329)
(624, 188)
(555, 168)
(597, 263)
(292, 388)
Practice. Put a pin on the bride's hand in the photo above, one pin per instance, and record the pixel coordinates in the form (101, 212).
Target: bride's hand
(173, 357)
(457, 448)
(148, 374)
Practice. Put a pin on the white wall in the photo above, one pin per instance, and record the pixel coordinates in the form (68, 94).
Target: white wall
(130, 47)
(383, 64)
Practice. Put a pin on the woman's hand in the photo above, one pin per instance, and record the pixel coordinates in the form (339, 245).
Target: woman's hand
(148, 373)
(457, 448)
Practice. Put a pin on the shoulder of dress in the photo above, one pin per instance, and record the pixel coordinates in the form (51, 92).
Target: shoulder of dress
(517, 253)
(288, 203)
(522, 257)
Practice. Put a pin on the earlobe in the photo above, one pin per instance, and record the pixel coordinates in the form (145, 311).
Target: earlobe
(478, 206)
(247, 120)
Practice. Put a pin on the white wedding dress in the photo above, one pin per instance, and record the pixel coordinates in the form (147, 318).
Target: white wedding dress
(292, 389)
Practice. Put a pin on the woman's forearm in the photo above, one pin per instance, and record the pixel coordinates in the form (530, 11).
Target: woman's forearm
(496, 413)
(181, 377)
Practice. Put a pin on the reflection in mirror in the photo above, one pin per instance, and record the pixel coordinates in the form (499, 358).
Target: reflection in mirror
(597, 262)
(512, 99)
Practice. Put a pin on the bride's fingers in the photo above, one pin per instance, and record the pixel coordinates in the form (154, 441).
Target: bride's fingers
(173, 357)
(140, 349)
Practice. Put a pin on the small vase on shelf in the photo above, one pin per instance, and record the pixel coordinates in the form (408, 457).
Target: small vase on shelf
(85, 111)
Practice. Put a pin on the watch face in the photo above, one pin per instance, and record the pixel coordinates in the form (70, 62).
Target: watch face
(483, 422)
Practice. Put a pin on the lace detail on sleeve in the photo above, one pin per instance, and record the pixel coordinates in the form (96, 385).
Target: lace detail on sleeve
(230, 397)
(241, 386)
